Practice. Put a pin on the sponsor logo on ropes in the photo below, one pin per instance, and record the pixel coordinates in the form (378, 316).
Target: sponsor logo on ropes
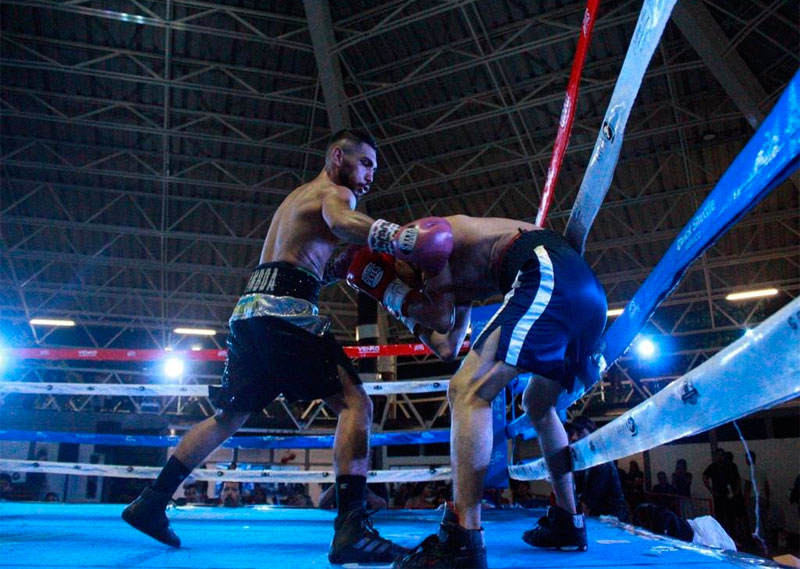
(87, 353)
(632, 426)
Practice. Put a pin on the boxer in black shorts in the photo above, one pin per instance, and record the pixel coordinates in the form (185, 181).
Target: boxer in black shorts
(551, 318)
(279, 344)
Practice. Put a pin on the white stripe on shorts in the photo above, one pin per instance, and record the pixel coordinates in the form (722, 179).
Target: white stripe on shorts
(537, 307)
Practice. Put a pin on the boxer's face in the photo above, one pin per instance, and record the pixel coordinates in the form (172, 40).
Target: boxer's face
(357, 168)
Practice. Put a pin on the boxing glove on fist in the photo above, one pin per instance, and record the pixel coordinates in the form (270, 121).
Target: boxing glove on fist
(374, 274)
(336, 267)
(426, 242)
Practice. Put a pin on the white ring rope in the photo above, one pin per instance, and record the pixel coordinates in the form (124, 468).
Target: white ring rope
(132, 390)
(758, 371)
(220, 475)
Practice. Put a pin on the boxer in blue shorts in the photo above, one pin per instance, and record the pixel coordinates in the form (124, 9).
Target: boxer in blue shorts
(279, 344)
(551, 318)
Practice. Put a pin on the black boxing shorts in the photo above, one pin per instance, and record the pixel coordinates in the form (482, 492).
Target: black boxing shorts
(553, 313)
(278, 344)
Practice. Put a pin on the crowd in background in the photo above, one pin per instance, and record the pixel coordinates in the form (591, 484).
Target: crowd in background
(607, 489)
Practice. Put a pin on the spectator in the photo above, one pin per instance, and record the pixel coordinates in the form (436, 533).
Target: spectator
(442, 495)
(5, 486)
(231, 495)
(191, 494)
(738, 509)
(259, 496)
(51, 497)
(599, 489)
(400, 495)
(717, 479)
(12, 492)
(663, 487)
(682, 478)
(522, 495)
(634, 484)
(422, 497)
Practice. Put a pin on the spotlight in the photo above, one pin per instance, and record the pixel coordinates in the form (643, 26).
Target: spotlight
(173, 367)
(196, 347)
(645, 348)
(614, 312)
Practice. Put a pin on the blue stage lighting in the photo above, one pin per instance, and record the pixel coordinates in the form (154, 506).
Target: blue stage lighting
(645, 348)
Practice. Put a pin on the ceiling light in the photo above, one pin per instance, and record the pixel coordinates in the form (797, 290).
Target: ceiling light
(51, 322)
(748, 294)
(614, 311)
(708, 135)
(195, 331)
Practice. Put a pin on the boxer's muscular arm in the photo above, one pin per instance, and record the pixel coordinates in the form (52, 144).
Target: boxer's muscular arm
(343, 220)
(447, 346)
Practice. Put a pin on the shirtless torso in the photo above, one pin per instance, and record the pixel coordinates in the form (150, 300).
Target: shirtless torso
(478, 244)
(298, 233)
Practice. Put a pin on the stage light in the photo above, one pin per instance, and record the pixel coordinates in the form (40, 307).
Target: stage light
(748, 294)
(645, 348)
(195, 331)
(173, 367)
(614, 312)
(51, 322)
(197, 347)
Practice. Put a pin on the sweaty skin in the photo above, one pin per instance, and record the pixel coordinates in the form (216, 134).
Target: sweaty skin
(298, 233)
(478, 245)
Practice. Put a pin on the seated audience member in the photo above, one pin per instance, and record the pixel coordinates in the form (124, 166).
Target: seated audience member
(703, 530)
(598, 488)
(522, 495)
(191, 494)
(51, 497)
(231, 495)
(422, 497)
(259, 496)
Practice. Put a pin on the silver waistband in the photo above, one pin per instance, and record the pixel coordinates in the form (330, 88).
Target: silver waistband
(297, 311)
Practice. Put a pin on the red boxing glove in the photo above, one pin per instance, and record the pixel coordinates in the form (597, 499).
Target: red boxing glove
(336, 267)
(374, 274)
(426, 242)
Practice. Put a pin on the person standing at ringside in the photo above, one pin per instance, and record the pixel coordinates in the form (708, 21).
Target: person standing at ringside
(549, 323)
(279, 344)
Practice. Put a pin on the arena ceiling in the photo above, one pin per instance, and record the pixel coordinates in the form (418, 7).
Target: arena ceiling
(146, 145)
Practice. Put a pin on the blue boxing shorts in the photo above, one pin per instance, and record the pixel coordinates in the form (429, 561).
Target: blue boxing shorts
(554, 309)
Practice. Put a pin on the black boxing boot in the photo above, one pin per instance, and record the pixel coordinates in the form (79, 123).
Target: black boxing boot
(147, 513)
(355, 540)
(558, 529)
(453, 548)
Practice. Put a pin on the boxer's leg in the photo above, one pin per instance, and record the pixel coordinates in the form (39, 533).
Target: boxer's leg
(563, 527)
(354, 540)
(148, 512)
